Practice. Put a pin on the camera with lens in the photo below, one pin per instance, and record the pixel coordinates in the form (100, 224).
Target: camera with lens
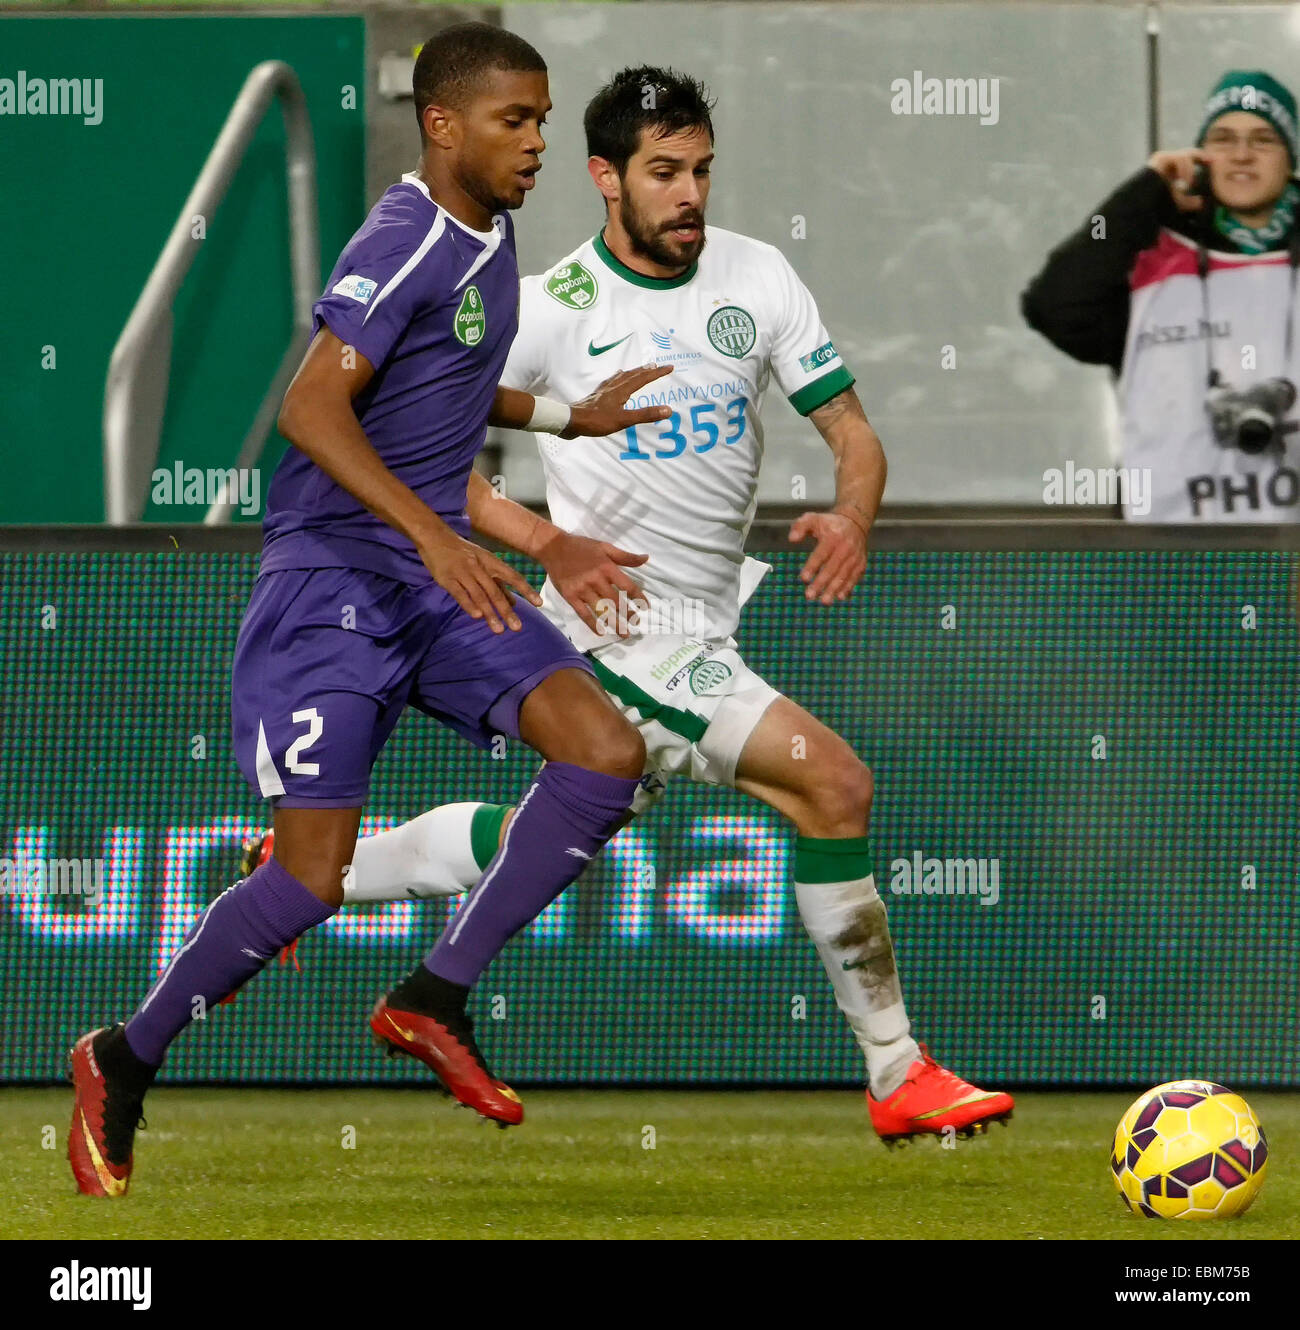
(1251, 419)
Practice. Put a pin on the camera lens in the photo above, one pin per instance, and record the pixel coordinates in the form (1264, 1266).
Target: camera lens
(1254, 431)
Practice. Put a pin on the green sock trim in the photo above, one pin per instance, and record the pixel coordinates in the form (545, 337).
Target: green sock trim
(485, 831)
(843, 859)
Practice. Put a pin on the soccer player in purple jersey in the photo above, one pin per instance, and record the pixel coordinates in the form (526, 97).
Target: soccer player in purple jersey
(370, 597)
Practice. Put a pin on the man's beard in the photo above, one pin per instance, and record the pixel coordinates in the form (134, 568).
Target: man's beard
(652, 242)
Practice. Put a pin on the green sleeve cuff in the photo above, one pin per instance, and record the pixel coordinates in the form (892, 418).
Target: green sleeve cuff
(820, 391)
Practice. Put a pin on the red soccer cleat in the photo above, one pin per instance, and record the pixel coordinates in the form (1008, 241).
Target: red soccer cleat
(105, 1113)
(445, 1044)
(933, 1099)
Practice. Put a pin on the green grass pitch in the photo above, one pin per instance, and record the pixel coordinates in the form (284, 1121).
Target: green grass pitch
(219, 1163)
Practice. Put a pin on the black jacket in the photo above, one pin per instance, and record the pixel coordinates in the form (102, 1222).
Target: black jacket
(1080, 300)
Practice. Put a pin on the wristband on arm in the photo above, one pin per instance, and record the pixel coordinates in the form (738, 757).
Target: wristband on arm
(548, 417)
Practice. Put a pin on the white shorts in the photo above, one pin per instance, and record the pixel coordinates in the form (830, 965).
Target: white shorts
(694, 701)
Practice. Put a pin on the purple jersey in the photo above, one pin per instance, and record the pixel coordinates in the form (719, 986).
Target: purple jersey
(433, 306)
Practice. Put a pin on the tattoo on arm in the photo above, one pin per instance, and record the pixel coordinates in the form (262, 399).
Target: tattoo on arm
(859, 462)
(843, 404)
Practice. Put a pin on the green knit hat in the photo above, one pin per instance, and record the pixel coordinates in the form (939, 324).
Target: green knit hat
(1259, 93)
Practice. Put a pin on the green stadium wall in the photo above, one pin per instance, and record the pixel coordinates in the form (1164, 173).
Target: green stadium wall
(88, 208)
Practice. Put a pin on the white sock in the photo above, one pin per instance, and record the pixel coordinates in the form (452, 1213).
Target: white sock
(847, 922)
(432, 855)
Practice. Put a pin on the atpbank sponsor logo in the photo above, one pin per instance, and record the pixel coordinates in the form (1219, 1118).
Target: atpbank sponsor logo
(25, 95)
(573, 286)
(1129, 485)
(471, 321)
(920, 95)
(927, 876)
(103, 1283)
(177, 485)
(51, 877)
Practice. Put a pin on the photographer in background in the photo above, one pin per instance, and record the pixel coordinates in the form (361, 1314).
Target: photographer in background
(1184, 282)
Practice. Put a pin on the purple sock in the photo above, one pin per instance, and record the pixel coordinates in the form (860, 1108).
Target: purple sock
(565, 819)
(239, 932)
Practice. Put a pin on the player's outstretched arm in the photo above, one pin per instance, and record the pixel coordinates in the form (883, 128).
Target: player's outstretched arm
(602, 412)
(839, 558)
(584, 571)
(317, 417)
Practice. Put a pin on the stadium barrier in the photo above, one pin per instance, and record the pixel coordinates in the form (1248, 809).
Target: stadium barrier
(1084, 740)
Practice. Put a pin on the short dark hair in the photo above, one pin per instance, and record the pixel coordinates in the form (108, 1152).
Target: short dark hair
(643, 98)
(452, 63)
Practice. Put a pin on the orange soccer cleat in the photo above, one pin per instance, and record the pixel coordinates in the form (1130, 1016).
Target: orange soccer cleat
(933, 1099)
(445, 1044)
(106, 1109)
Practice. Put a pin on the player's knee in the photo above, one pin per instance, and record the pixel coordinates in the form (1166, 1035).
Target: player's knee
(610, 746)
(844, 798)
(325, 883)
(622, 751)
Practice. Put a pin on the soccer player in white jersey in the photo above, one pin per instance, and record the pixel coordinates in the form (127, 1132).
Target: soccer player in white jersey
(728, 314)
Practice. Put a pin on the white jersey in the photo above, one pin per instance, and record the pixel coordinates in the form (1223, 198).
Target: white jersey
(1180, 327)
(682, 490)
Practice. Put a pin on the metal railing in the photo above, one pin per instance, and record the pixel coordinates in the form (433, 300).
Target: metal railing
(135, 396)
(970, 533)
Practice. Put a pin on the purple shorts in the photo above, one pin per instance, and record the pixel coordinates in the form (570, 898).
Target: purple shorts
(327, 658)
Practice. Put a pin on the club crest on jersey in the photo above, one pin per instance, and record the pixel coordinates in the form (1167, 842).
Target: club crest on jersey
(706, 675)
(731, 330)
(470, 322)
(573, 286)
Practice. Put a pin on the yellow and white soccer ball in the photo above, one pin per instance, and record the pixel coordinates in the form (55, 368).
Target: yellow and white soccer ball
(1189, 1150)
